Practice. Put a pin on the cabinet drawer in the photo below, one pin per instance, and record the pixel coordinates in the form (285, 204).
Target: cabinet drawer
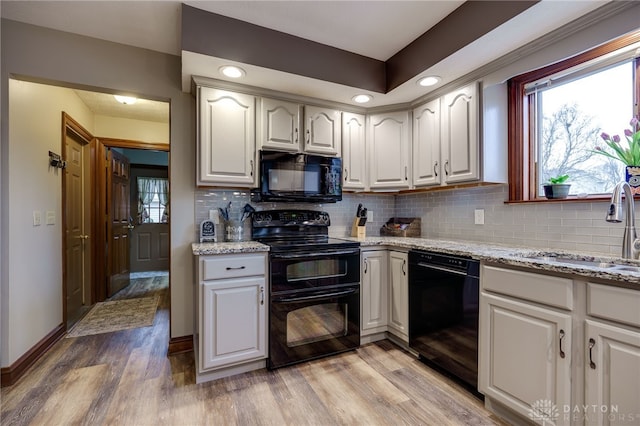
(223, 266)
(549, 290)
(614, 303)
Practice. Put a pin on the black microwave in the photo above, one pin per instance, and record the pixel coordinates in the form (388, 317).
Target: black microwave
(297, 177)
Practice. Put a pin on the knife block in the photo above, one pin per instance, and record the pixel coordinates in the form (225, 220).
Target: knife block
(359, 232)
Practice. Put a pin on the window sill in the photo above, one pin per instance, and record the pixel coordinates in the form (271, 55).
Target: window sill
(569, 199)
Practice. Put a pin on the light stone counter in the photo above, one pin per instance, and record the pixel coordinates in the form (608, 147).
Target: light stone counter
(514, 256)
(228, 248)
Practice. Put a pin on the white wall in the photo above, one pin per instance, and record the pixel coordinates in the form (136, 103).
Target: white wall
(50, 56)
(34, 256)
(126, 128)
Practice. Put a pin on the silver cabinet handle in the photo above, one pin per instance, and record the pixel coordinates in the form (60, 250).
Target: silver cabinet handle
(406, 177)
(435, 168)
(446, 164)
(365, 266)
(561, 337)
(308, 136)
(592, 364)
(404, 265)
(345, 174)
(251, 163)
(296, 130)
(261, 295)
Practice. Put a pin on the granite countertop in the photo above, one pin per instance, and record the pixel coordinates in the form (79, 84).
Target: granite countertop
(228, 248)
(525, 257)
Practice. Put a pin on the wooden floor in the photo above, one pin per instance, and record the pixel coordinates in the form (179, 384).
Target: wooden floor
(126, 378)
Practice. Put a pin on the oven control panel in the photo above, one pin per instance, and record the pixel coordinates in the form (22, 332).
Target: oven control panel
(290, 218)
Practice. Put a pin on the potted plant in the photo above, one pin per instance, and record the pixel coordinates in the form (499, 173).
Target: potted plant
(630, 155)
(557, 188)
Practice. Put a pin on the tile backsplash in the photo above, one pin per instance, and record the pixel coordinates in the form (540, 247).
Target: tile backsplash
(449, 214)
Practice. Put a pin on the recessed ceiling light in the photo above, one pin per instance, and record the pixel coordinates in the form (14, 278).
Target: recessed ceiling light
(127, 100)
(232, 72)
(429, 81)
(362, 99)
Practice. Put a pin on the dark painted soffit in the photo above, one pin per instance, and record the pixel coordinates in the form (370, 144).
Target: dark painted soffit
(223, 37)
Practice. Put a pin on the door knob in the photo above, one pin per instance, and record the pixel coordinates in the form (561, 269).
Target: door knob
(129, 226)
(83, 237)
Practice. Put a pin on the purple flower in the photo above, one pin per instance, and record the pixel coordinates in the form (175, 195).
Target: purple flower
(633, 122)
(616, 139)
(628, 132)
(598, 148)
(604, 136)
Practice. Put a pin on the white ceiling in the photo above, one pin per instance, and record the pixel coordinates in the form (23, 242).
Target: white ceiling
(376, 29)
(143, 109)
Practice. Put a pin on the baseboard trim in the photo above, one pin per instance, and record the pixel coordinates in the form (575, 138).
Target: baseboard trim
(10, 375)
(179, 345)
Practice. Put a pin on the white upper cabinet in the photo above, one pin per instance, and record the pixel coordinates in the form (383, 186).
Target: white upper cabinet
(322, 130)
(226, 138)
(354, 160)
(460, 135)
(427, 167)
(281, 127)
(389, 148)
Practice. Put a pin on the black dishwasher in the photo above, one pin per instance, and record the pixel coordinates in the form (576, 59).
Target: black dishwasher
(443, 312)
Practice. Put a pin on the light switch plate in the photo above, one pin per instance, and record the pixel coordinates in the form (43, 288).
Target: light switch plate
(37, 218)
(369, 216)
(51, 217)
(479, 216)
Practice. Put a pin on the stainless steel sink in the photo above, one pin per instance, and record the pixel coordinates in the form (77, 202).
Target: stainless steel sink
(582, 262)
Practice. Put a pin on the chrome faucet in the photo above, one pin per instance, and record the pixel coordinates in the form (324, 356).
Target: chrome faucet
(630, 241)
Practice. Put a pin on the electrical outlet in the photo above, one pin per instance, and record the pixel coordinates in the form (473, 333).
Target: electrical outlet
(369, 216)
(37, 218)
(479, 216)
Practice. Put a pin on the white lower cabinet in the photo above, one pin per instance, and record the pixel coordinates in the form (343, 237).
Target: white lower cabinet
(559, 351)
(399, 295)
(527, 357)
(231, 314)
(374, 292)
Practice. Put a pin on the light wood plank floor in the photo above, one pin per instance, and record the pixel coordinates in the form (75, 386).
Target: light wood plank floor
(126, 378)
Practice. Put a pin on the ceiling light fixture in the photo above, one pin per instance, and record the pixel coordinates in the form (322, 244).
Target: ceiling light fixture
(232, 72)
(362, 99)
(127, 100)
(429, 81)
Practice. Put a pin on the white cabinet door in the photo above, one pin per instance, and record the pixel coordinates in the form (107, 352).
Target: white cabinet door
(389, 150)
(354, 158)
(226, 138)
(460, 135)
(612, 374)
(399, 295)
(233, 321)
(322, 130)
(525, 355)
(426, 144)
(374, 292)
(279, 125)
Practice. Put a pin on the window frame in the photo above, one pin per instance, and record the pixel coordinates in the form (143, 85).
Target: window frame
(521, 150)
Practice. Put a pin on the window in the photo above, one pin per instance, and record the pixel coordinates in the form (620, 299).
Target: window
(557, 114)
(153, 200)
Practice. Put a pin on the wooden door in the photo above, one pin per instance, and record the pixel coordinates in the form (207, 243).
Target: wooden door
(118, 222)
(77, 225)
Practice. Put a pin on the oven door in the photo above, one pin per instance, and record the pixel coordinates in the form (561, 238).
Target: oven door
(313, 324)
(309, 270)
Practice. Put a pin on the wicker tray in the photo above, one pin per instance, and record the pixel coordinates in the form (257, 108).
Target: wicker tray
(402, 227)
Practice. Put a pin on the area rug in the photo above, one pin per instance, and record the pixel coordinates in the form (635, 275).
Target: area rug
(116, 315)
